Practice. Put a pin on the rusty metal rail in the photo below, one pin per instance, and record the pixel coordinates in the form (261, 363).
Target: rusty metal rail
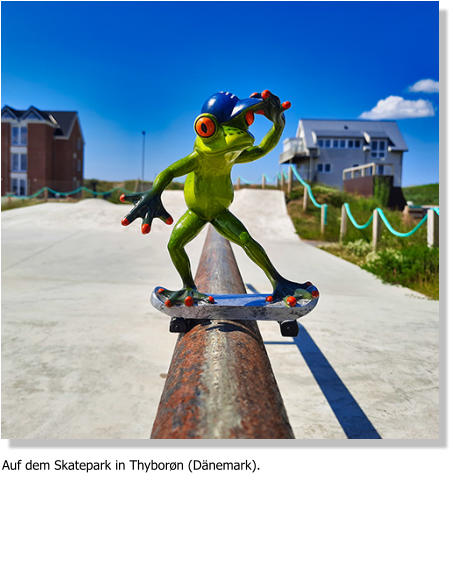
(220, 383)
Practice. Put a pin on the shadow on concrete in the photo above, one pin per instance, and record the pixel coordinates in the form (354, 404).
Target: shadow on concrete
(348, 412)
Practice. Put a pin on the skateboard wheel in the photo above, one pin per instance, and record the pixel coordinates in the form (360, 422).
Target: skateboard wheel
(168, 303)
(269, 299)
(211, 299)
(291, 301)
(289, 328)
(188, 301)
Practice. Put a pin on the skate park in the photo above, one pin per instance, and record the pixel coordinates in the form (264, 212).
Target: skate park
(85, 355)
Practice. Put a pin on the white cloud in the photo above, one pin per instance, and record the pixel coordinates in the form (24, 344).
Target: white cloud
(394, 107)
(425, 85)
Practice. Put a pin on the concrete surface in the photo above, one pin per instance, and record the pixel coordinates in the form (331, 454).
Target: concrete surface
(85, 355)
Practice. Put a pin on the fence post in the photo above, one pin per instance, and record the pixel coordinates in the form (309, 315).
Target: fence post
(433, 228)
(343, 223)
(377, 226)
(263, 181)
(323, 217)
(46, 194)
(290, 180)
(305, 205)
(238, 183)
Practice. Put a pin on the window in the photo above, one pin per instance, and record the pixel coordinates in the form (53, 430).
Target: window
(356, 143)
(323, 167)
(374, 145)
(327, 168)
(335, 143)
(382, 145)
(319, 167)
(19, 135)
(342, 143)
(18, 162)
(19, 186)
(350, 144)
(321, 143)
(327, 143)
(380, 169)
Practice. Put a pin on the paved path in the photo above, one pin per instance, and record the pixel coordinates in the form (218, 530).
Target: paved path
(85, 355)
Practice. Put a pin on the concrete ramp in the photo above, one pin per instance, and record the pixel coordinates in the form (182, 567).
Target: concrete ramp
(85, 355)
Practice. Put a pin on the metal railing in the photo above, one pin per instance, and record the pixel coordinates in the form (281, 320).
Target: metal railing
(220, 383)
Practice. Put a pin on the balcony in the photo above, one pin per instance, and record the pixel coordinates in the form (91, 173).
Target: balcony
(294, 150)
(370, 169)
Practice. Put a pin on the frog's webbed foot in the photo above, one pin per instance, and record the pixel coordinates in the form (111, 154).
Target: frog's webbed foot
(290, 292)
(185, 296)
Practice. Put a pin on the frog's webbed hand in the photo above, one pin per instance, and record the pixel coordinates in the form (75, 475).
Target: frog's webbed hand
(273, 109)
(149, 206)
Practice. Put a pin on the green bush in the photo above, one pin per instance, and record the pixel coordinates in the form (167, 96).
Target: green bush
(409, 266)
(358, 247)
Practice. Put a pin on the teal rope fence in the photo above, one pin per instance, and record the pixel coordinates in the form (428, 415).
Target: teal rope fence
(76, 191)
(386, 222)
(310, 193)
(353, 220)
(395, 232)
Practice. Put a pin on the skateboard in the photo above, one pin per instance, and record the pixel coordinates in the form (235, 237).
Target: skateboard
(253, 307)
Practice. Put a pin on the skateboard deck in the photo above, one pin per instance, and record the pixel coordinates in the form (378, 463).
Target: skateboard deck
(237, 307)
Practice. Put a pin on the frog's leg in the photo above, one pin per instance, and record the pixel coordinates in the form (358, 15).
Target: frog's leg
(185, 230)
(233, 229)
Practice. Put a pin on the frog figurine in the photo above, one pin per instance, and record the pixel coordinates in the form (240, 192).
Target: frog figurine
(222, 140)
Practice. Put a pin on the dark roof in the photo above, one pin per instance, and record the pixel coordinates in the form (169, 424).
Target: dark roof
(62, 119)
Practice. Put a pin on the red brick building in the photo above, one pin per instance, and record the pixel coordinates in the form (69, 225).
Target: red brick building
(41, 148)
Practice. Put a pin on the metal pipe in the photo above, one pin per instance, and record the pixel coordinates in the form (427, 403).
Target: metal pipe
(220, 383)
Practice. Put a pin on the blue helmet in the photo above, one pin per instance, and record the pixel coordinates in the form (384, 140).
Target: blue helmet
(225, 105)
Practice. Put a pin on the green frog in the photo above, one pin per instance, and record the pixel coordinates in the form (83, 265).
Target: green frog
(222, 140)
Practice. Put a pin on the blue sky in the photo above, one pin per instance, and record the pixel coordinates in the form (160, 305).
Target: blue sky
(133, 66)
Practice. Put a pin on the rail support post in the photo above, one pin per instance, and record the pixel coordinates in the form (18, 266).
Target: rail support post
(220, 383)
(323, 217)
(377, 229)
(305, 205)
(238, 183)
(343, 223)
(433, 228)
(290, 180)
(263, 181)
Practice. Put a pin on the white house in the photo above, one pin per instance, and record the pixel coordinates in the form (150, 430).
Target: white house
(323, 149)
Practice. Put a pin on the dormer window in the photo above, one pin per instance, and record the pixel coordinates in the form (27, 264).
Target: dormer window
(19, 135)
(32, 116)
(7, 115)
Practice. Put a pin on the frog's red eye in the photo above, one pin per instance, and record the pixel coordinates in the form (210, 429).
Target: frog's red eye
(249, 117)
(205, 127)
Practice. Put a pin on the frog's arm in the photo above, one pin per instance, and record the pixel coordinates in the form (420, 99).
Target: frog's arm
(269, 142)
(178, 168)
(150, 205)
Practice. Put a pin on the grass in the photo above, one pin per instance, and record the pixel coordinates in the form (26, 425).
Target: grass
(20, 202)
(405, 261)
(423, 194)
